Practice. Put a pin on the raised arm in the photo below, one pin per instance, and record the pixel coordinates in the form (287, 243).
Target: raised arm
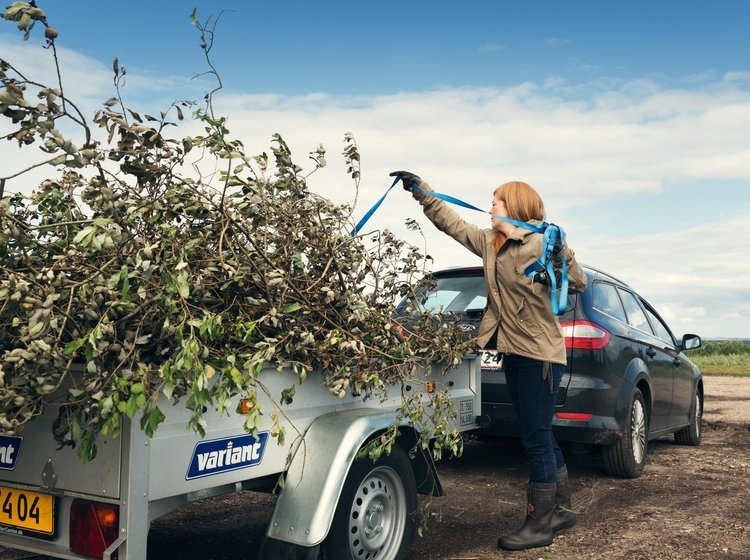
(445, 219)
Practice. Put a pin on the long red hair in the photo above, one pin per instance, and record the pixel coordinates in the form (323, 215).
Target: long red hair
(523, 204)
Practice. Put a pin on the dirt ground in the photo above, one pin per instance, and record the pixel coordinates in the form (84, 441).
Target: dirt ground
(691, 503)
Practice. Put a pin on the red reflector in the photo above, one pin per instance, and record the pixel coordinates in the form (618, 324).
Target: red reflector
(584, 335)
(93, 527)
(572, 415)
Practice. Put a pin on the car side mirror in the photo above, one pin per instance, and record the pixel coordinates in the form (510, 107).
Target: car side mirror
(691, 342)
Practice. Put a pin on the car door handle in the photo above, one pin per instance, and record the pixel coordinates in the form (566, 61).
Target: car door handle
(651, 353)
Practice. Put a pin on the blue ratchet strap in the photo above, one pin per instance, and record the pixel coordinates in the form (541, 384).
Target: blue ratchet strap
(375, 206)
(545, 267)
(458, 202)
(537, 270)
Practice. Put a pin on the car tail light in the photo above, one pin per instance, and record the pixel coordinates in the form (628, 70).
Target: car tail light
(93, 527)
(584, 335)
(573, 416)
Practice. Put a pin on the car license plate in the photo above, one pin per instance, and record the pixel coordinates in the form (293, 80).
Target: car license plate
(27, 512)
(492, 360)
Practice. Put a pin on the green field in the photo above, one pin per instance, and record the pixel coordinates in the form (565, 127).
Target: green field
(726, 357)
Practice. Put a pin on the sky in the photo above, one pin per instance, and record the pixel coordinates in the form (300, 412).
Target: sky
(631, 119)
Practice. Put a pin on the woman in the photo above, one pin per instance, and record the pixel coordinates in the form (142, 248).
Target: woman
(519, 323)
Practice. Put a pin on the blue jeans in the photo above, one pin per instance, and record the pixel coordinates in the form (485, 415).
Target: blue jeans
(535, 405)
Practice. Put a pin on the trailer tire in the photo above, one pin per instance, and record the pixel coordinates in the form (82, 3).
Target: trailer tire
(376, 513)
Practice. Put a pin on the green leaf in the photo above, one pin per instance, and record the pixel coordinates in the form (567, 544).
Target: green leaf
(168, 389)
(84, 236)
(73, 345)
(291, 307)
(151, 420)
(236, 376)
(182, 284)
(131, 407)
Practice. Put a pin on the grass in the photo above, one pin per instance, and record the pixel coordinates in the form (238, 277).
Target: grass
(728, 357)
(731, 371)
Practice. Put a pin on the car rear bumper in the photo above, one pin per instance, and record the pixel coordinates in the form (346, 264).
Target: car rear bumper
(596, 430)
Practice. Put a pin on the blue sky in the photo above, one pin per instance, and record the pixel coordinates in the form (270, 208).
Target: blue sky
(630, 118)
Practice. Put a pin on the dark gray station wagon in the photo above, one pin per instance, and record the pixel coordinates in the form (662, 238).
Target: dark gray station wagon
(627, 380)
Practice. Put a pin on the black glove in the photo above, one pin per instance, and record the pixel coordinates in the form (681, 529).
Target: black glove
(409, 179)
(558, 245)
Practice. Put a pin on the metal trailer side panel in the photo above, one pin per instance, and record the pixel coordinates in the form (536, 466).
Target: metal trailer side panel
(304, 511)
(173, 447)
(41, 464)
(147, 477)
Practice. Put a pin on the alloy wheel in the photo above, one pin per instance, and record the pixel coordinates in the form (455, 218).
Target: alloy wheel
(638, 430)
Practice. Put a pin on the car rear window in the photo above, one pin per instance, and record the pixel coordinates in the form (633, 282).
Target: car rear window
(455, 295)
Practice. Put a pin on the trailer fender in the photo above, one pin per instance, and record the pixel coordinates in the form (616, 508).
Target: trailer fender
(305, 507)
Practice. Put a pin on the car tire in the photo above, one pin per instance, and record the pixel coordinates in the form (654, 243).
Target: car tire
(627, 458)
(691, 435)
(376, 513)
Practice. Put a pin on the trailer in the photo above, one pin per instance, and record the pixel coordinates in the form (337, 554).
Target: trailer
(332, 501)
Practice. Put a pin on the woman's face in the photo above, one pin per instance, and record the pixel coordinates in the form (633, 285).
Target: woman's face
(498, 207)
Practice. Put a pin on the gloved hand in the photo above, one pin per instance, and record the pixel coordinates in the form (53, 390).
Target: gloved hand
(558, 245)
(409, 179)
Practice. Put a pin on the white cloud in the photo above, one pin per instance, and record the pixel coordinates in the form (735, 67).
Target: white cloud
(695, 276)
(607, 146)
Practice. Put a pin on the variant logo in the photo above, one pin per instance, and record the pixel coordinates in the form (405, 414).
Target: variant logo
(10, 446)
(226, 454)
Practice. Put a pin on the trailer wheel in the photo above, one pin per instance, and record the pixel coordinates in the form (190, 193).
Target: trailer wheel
(375, 515)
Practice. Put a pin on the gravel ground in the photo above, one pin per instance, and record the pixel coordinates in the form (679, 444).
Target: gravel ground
(691, 503)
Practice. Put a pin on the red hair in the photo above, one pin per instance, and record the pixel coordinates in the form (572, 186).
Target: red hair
(522, 202)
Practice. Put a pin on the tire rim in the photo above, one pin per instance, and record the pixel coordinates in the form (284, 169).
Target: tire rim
(698, 415)
(638, 431)
(378, 516)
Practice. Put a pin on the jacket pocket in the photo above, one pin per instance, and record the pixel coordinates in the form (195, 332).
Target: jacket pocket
(527, 320)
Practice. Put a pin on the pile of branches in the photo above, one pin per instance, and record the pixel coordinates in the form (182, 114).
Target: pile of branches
(154, 278)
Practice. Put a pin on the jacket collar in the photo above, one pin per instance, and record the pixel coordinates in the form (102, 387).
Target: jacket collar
(523, 234)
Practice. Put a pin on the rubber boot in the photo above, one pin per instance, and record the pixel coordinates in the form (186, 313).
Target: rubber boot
(537, 527)
(563, 517)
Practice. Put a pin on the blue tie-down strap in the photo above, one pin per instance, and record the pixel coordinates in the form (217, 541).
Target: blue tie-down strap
(543, 266)
(458, 202)
(371, 211)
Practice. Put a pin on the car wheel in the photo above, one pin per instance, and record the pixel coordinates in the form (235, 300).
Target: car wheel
(375, 515)
(627, 458)
(691, 435)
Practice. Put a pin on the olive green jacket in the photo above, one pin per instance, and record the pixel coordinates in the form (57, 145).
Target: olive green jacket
(518, 309)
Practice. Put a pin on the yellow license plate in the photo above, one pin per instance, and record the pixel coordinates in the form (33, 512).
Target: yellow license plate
(27, 511)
